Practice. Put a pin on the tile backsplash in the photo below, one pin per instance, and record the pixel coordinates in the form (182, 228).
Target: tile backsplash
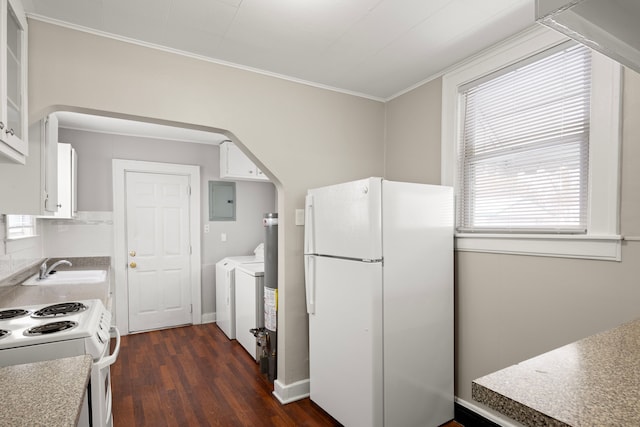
(90, 234)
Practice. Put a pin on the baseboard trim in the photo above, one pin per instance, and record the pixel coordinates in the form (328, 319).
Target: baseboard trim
(208, 317)
(287, 393)
(471, 414)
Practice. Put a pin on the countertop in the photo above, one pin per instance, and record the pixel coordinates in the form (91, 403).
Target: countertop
(44, 393)
(17, 295)
(591, 382)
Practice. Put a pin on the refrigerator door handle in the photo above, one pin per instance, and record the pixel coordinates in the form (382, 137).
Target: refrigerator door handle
(310, 283)
(309, 244)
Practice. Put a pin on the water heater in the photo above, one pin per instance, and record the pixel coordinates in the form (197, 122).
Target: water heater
(270, 222)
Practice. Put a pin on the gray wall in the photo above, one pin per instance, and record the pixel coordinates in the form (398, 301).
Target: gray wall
(511, 307)
(303, 136)
(412, 149)
(95, 153)
(508, 307)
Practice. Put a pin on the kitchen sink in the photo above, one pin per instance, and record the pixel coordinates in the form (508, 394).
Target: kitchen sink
(69, 277)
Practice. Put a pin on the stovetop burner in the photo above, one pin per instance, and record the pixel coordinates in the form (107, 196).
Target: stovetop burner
(12, 313)
(61, 309)
(4, 333)
(50, 328)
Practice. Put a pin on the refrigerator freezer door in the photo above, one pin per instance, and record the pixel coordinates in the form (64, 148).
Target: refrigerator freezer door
(345, 220)
(345, 341)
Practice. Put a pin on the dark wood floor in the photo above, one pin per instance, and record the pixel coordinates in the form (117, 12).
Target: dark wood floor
(195, 376)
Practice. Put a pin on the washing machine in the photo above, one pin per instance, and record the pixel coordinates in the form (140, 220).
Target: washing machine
(225, 289)
(249, 298)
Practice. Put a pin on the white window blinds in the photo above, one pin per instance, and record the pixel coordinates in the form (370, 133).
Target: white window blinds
(19, 226)
(524, 154)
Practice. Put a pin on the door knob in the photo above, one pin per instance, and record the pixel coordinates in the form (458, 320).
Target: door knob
(133, 264)
(132, 253)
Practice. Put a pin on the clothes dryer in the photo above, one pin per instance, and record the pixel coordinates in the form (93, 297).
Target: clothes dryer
(225, 290)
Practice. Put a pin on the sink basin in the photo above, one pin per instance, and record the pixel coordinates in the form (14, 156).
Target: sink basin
(69, 277)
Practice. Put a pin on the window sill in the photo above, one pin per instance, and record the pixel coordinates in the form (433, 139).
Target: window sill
(607, 248)
(15, 238)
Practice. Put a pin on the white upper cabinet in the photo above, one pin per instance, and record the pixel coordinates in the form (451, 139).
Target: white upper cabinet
(13, 83)
(31, 188)
(235, 165)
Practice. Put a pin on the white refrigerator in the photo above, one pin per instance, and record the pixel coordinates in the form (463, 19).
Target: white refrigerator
(379, 290)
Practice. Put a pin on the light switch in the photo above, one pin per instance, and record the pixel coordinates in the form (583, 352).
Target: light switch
(299, 216)
(223, 237)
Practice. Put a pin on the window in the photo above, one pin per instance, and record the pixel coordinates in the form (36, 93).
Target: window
(533, 161)
(20, 226)
(524, 148)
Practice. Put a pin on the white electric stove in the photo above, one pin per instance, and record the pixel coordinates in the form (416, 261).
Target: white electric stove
(45, 332)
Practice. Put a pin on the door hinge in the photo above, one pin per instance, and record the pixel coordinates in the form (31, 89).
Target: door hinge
(188, 190)
(190, 250)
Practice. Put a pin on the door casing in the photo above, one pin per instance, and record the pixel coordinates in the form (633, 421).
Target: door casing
(120, 168)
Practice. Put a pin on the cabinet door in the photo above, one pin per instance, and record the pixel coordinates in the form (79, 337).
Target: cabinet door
(66, 181)
(50, 164)
(21, 191)
(235, 164)
(13, 79)
(74, 182)
(238, 163)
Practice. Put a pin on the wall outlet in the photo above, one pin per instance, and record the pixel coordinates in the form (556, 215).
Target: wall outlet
(206, 228)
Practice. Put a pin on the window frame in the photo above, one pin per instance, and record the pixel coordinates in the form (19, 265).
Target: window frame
(33, 228)
(602, 240)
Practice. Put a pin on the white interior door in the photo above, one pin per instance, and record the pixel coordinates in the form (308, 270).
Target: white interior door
(158, 245)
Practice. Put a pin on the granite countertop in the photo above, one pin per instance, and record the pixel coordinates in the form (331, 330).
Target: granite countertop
(592, 382)
(17, 295)
(44, 393)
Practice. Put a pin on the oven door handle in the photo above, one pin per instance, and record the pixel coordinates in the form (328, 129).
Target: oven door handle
(110, 360)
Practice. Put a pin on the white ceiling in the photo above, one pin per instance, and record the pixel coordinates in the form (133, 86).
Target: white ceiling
(377, 48)
(373, 48)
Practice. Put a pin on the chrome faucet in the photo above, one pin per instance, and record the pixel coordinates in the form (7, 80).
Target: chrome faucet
(44, 271)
